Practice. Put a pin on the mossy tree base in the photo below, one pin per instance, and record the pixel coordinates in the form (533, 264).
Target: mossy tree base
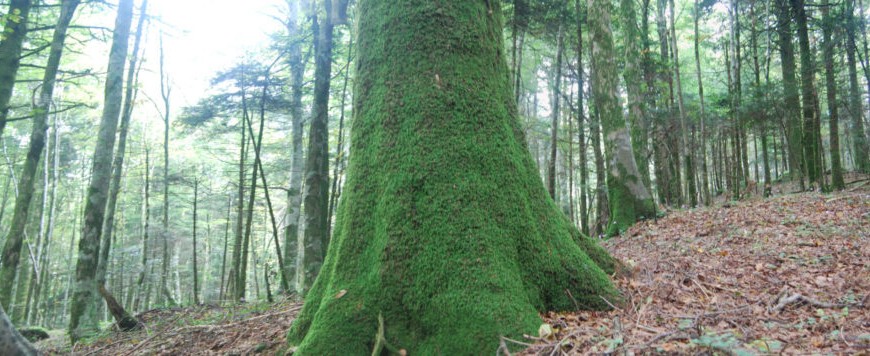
(445, 231)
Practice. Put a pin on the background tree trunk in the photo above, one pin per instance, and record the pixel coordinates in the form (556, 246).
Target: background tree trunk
(10, 52)
(317, 164)
(629, 199)
(15, 237)
(84, 320)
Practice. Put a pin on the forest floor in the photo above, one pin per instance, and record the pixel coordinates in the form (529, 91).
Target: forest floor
(786, 275)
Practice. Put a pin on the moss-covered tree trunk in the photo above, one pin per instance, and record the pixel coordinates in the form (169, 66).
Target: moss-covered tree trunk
(10, 52)
(445, 237)
(84, 318)
(629, 198)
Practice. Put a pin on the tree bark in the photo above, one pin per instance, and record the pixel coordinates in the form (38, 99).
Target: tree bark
(705, 182)
(790, 93)
(811, 129)
(316, 194)
(10, 52)
(831, 87)
(11, 342)
(84, 320)
(581, 118)
(856, 111)
(632, 75)
(689, 171)
(554, 112)
(629, 200)
(294, 196)
(422, 106)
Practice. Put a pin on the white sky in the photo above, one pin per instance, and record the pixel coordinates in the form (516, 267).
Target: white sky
(203, 37)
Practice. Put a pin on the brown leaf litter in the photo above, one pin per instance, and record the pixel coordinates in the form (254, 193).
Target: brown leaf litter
(787, 275)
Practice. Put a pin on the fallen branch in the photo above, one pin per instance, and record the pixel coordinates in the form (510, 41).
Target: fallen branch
(785, 301)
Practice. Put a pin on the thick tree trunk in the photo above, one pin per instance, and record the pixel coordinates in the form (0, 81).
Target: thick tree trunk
(629, 199)
(11, 342)
(10, 52)
(422, 107)
(84, 320)
(15, 237)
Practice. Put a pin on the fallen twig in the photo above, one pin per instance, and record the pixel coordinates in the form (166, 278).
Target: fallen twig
(799, 298)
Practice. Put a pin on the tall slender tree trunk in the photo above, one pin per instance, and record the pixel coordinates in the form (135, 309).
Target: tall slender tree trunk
(316, 194)
(790, 93)
(236, 268)
(120, 154)
(689, 171)
(14, 33)
(242, 277)
(15, 237)
(811, 129)
(195, 267)
(83, 317)
(856, 111)
(165, 92)
(632, 75)
(555, 112)
(339, 151)
(705, 183)
(42, 287)
(146, 225)
(831, 88)
(581, 118)
(521, 10)
(222, 292)
(294, 192)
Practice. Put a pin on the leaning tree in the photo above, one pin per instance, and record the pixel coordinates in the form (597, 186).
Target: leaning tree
(445, 237)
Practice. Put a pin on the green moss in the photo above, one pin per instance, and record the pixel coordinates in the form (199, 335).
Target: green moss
(34, 333)
(445, 228)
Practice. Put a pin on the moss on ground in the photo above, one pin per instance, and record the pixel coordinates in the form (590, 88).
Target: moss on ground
(445, 229)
